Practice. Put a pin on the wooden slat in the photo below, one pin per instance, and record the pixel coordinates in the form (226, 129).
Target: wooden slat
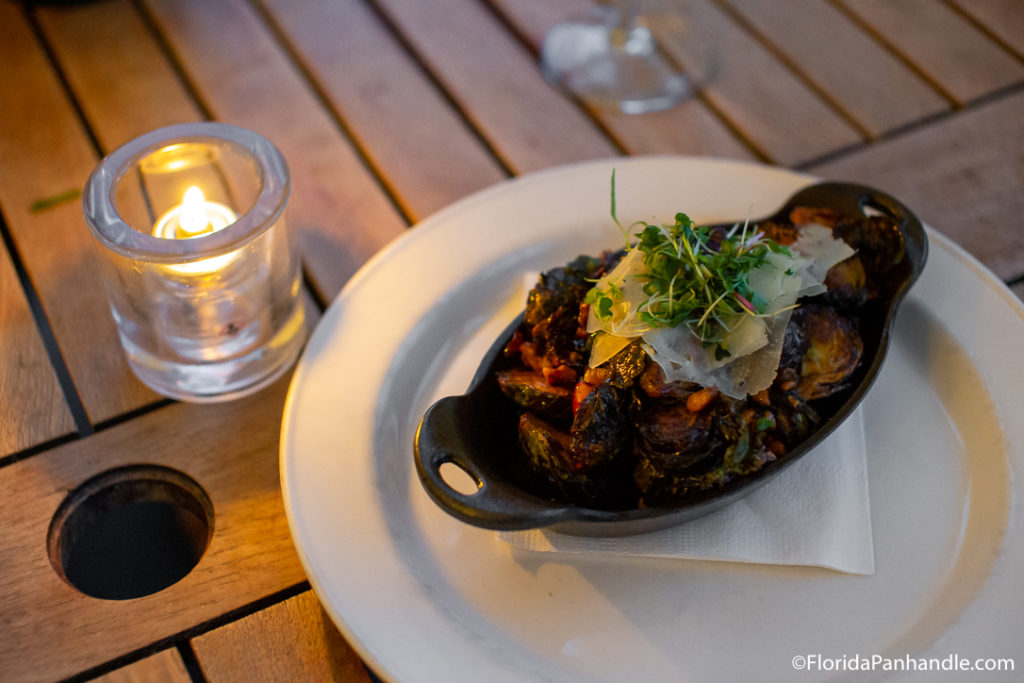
(843, 61)
(292, 641)
(32, 407)
(496, 81)
(50, 630)
(163, 667)
(534, 18)
(425, 151)
(1004, 18)
(952, 52)
(787, 122)
(341, 215)
(44, 151)
(119, 76)
(688, 128)
(961, 175)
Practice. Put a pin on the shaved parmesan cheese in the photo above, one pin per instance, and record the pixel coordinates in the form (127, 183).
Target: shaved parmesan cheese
(752, 344)
(605, 346)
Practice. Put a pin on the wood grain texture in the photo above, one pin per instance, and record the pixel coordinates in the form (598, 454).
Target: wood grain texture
(425, 151)
(50, 630)
(497, 83)
(32, 407)
(1004, 18)
(120, 78)
(294, 640)
(44, 151)
(952, 52)
(337, 209)
(687, 128)
(764, 100)
(843, 61)
(963, 176)
(163, 667)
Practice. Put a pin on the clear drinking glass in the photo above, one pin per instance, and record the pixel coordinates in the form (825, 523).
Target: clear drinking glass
(634, 56)
(203, 280)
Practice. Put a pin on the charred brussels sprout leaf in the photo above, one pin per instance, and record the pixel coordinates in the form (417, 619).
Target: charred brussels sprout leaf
(833, 350)
(627, 365)
(556, 473)
(601, 431)
(530, 391)
(561, 287)
(674, 437)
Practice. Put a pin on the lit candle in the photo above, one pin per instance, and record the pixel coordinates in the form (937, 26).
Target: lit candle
(195, 217)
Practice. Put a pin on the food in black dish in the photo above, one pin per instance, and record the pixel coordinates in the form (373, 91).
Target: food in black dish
(619, 403)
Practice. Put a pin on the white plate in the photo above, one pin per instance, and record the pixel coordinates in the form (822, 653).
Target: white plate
(425, 597)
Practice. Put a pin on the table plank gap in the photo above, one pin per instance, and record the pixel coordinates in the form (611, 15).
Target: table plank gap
(114, 61)
(507, 19)
(46, 47)
(695, 126)
(419, 144)
(937, 44)
(794, 66)
(36, 449)
(288, 48)
(487, 70)
(230, 450)
(910, 128)
(73, 406)
(762, 98)
(35, 406)
(1001, 20)
(138, 412)
(179, 642)
(439, 85)
(70, 290)
(959, 175)
(862, 19)
(295, 640)
(166, 666)
(848, 68)
(332, 188)
(174, 60)
(192, 665)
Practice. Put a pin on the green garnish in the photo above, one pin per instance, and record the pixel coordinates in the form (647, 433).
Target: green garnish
(695, 276)
(56, 200)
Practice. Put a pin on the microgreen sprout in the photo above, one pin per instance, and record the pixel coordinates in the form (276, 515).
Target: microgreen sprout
(692, 275)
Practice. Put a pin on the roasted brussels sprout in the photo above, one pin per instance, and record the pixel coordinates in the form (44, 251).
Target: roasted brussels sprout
(531, 391)
(561, 288)
(554, 470)
(601, 431)
(831, 351)
(847, 284)
(675, 437)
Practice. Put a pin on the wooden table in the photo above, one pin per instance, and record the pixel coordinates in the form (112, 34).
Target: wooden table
(387, 110)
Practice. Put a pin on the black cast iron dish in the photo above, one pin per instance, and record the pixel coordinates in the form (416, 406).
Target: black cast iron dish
(477, 431)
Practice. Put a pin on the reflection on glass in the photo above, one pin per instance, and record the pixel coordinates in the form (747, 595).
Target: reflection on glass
(633, 56)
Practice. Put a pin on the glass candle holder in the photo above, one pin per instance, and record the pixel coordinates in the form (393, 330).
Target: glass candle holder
(203, 280)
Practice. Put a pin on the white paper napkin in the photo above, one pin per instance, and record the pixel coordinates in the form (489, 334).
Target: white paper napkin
(816, 512)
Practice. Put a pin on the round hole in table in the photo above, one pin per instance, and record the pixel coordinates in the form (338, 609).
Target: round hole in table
(130, 532)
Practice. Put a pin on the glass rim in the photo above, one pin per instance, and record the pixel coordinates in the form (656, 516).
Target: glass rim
(114, 233)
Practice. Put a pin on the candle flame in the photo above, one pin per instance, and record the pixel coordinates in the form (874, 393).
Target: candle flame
(194, 218)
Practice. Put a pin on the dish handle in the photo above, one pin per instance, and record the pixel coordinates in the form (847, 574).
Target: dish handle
(494, 504)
